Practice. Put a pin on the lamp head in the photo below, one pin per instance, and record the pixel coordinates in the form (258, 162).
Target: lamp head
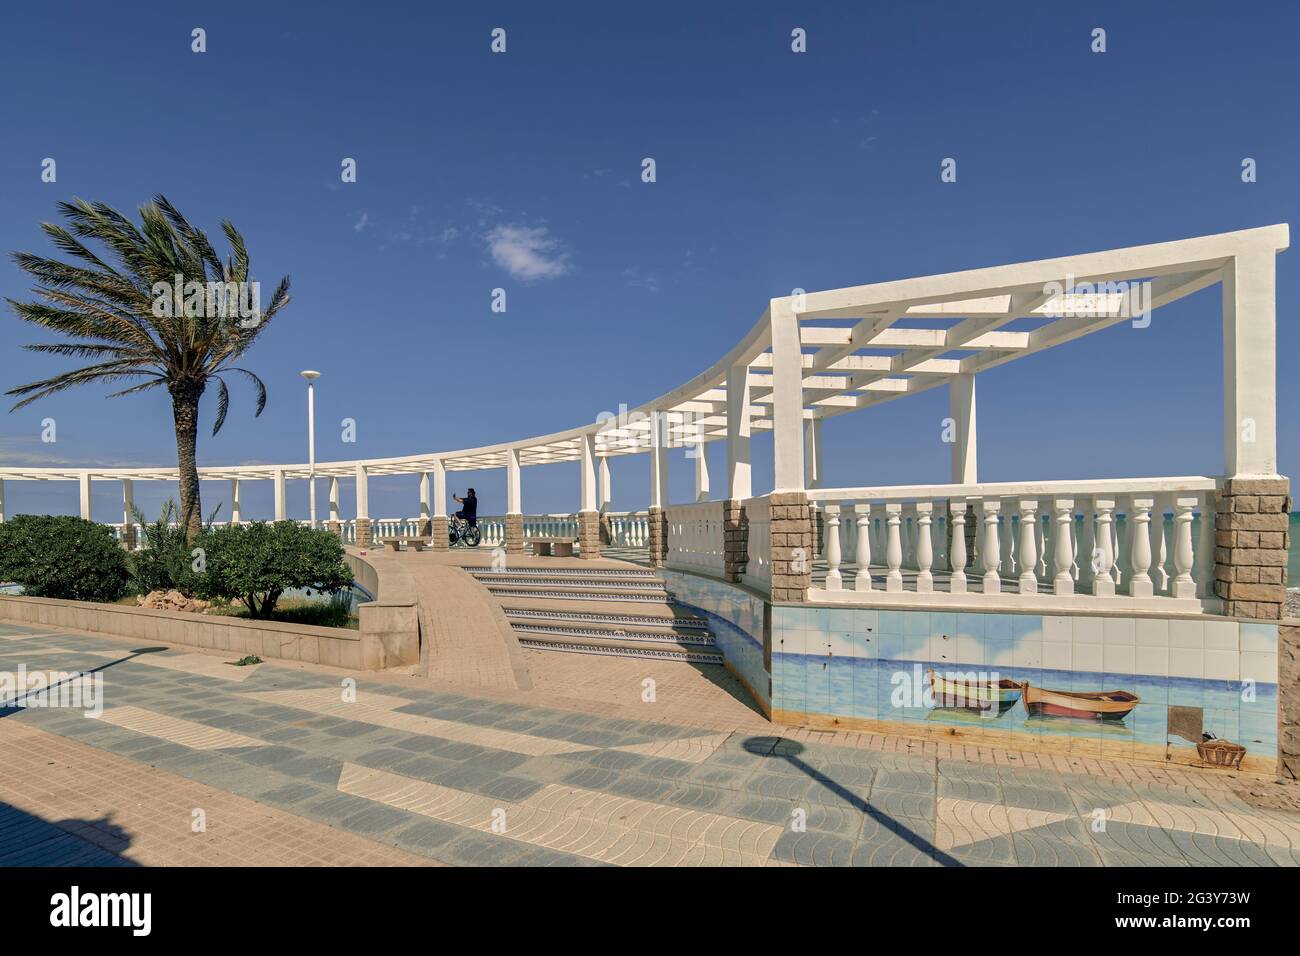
(310, 375)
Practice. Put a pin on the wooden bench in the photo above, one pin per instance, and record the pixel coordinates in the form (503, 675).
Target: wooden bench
(552, 547)
(413, 544)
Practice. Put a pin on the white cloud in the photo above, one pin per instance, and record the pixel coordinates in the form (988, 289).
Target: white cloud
(528, 252)
(361, 223)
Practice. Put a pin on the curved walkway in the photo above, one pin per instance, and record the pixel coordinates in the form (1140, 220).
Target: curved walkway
(465, 638)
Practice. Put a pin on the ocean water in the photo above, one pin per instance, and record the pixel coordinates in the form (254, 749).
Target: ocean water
(866, 688)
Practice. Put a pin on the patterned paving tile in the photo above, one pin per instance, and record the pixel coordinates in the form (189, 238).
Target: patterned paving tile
(381, 710)
(184, 732)
(604, 827)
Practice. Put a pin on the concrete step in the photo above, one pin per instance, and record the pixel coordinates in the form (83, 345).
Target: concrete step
(486, 573)
(581, 591)
(517, 579)
(636, 614)
(655, 650)
(603, 630)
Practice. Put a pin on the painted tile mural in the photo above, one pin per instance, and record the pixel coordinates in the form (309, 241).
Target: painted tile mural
(1107, 683)
(736, 618)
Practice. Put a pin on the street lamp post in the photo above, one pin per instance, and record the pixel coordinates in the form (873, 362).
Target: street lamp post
(311, 377)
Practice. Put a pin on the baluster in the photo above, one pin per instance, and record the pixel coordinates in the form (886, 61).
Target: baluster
(831, 547)
(992, 549)
(924, 547)
(938, 539)
(1204, 570)
(1183, 586)
(1007, 536)
(1139, 582)
(1103, 555)
(957, 545)
(1063, 554)
(894, 550)
(1087, 543)
(1041, 524)
(1118, 570)
(1028, 546)
(862, 548)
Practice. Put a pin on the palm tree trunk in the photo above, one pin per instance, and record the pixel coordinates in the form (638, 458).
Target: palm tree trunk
(185, 412)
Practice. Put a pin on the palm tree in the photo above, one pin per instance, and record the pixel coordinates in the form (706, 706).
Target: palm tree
(143, 317)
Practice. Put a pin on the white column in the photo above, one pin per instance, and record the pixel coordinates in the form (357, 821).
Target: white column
(1102, 558)
(1028, 547)
(606, 485)
(128, 505)
(957, 546)
(1183, 586)
(924, 547)
(363, 492)
(425, 513)
(961, 405)
(862, 555)
(279, 494)
(2, 501)
(334, 499)
(991, 550)
(834, 580)
(787, 397)
(658, 461)
(701, 472)
(514, 505)
(1139, 582)
(739, 482)
(83, 482)
(439, 490)
(1250, 365)
(812, 460)
(1063, 550)
(894, 548)
(235, 512)
(587, 475)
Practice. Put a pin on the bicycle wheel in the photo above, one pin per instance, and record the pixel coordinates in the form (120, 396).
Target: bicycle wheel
(473, 536)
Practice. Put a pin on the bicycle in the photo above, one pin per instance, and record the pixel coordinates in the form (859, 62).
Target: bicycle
(460, 531)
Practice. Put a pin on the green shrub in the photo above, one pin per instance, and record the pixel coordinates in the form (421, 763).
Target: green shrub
(164, 561)
(60, 556)
(258, 562)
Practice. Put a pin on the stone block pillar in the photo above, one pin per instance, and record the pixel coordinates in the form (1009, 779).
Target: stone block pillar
(1251, 537)
(439, 528)
(335, 528)
(1288, 702)
(735, 539)
(514, 534)
(589, 534)
(657, 536)
(363, 532)
(792, 539)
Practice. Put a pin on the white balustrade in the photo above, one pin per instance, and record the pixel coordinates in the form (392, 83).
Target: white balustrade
(758, 567)
(696, 537)
(1067, 544)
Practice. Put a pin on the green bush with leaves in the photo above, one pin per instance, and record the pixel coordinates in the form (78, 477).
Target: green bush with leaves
(61, 556)
(165, 561)
(256, 563)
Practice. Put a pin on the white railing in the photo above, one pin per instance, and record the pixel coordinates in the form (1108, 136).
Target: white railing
(696, 537)
(1145, 543)
(628, 529)
(758, 566)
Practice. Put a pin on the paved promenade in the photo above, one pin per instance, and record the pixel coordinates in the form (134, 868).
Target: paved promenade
(579, 769)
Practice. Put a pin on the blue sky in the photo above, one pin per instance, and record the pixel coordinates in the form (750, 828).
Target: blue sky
(522, 171)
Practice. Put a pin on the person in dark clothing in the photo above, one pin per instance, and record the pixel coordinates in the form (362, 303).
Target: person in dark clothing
(468, 507)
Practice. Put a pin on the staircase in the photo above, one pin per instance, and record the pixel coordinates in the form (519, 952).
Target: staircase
(618, 612)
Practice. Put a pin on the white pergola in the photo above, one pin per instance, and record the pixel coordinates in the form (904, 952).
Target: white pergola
(815, 355)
